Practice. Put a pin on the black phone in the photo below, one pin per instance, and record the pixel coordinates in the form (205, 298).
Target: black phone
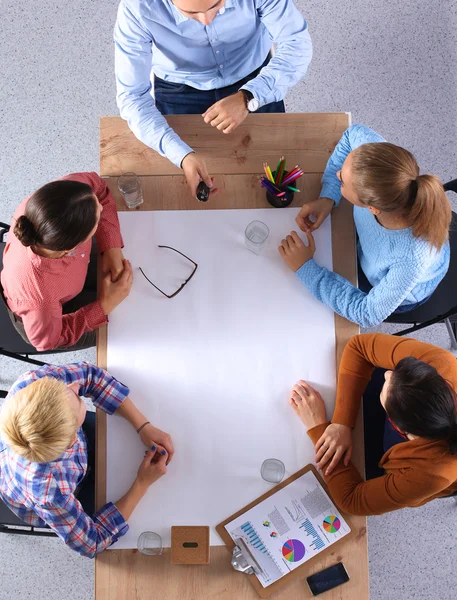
(327, 579)
(203, 192)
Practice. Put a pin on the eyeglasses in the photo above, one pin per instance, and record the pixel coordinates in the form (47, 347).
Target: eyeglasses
(187, 280)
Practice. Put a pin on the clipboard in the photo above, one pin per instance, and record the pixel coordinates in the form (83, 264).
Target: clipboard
(304, 569)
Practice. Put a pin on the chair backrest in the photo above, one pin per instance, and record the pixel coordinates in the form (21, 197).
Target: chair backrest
(451, 186)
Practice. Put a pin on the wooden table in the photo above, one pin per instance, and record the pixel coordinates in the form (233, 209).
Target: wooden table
(235, 161)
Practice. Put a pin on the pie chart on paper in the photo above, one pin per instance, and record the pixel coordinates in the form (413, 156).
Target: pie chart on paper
(331, 524)
(293, 550)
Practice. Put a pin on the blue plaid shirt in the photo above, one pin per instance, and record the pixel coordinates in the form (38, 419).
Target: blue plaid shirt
(44, 493)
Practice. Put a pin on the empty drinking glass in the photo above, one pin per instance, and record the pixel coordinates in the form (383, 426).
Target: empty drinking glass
(129, 185)
(150, 543)
(256, 236)
(272, 470)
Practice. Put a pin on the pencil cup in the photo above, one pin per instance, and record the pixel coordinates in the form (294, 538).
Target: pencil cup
(256, 236)
(150, 543)
(272, 470)
(129, 185)
(283, 201)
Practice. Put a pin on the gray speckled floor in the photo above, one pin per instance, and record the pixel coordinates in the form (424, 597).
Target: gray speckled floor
(392, 64)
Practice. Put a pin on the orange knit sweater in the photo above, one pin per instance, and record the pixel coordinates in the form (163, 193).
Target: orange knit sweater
(416, 471)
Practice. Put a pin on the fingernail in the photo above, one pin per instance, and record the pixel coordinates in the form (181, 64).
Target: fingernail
(153, 448)
(163, 452)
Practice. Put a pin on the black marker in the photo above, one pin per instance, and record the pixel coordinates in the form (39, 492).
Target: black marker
(203, 192)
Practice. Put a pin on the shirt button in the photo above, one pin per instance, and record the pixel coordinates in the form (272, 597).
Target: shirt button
(221, 66)
(217, 51)
(213, 41)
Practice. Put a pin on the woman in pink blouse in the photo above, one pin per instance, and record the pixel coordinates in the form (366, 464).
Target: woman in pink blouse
(46, 261)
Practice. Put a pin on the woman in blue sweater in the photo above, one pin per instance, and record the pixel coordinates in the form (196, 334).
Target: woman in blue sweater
(402, 221)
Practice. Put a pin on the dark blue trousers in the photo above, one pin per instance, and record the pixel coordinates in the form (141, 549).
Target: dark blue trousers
(181, 99)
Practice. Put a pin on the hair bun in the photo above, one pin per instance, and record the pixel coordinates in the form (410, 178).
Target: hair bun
(25, 232)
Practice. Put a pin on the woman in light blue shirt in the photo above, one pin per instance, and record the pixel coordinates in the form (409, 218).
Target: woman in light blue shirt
(402, 221)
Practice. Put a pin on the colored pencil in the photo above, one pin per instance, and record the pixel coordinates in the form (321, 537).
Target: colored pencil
(293, 172)
(270, 174)
(292, 189)
(277, 171)
(280, 170)
(271, 188)
(289, 180)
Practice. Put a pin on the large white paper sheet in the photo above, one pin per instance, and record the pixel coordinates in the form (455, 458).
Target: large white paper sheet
(289, 528)
(214, 365)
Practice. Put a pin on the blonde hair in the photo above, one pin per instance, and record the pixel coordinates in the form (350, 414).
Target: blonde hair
(38, 422)
(387, 177)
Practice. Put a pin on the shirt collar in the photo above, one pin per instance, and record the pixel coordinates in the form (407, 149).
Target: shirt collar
(180, 18)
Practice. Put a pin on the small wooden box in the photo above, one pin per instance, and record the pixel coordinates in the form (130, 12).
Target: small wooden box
(190, 545)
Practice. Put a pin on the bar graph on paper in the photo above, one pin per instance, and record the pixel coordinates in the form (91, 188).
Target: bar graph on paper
(271, 571)
(253, 538)
(317, 542)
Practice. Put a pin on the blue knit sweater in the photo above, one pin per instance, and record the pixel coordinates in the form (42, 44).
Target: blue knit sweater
(402, 269)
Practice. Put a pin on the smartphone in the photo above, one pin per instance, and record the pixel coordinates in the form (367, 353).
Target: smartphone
(327, 579)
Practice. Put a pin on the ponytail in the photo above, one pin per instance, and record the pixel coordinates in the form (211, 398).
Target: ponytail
(387, 177)
(452, 437)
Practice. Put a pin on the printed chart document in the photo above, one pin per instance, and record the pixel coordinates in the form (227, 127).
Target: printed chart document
(289, 528)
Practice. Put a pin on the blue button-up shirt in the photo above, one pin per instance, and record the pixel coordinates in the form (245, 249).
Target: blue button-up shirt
(44, 493)
(152, 36)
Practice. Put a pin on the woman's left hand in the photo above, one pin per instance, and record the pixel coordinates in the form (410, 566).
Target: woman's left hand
(112, 262)
(294, 252)
(151, 436)
(308, 404)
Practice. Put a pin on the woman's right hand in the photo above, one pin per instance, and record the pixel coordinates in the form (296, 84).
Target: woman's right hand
(153, 466)
(112, 293)
(319, 208)
(334, 443)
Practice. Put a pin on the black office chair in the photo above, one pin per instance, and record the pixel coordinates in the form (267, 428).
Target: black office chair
(442, 305)
(13, 346)
(10, 523)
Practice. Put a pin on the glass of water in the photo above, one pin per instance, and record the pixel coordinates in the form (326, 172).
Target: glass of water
(129, 185)
(256, 236)
(272, 470)
(150, 543)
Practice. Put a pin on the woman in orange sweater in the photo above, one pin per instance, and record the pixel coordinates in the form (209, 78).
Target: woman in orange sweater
(419, 399)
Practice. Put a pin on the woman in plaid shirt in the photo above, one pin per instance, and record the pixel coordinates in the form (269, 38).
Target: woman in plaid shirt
(44, 454)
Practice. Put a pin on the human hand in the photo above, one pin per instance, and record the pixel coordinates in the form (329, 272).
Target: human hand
(113, 292)
(228, 113)
(151, 436)
(334, 443)
(308, 405)
(113, 262)
(153, 467)
(195, 171)
(294, 252)
(320, 209)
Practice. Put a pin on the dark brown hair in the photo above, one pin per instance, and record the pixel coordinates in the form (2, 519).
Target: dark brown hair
(421, 402)
(387, 177)
(58, 216)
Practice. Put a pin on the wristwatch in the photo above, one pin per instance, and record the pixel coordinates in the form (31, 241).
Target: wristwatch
(252, 104)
